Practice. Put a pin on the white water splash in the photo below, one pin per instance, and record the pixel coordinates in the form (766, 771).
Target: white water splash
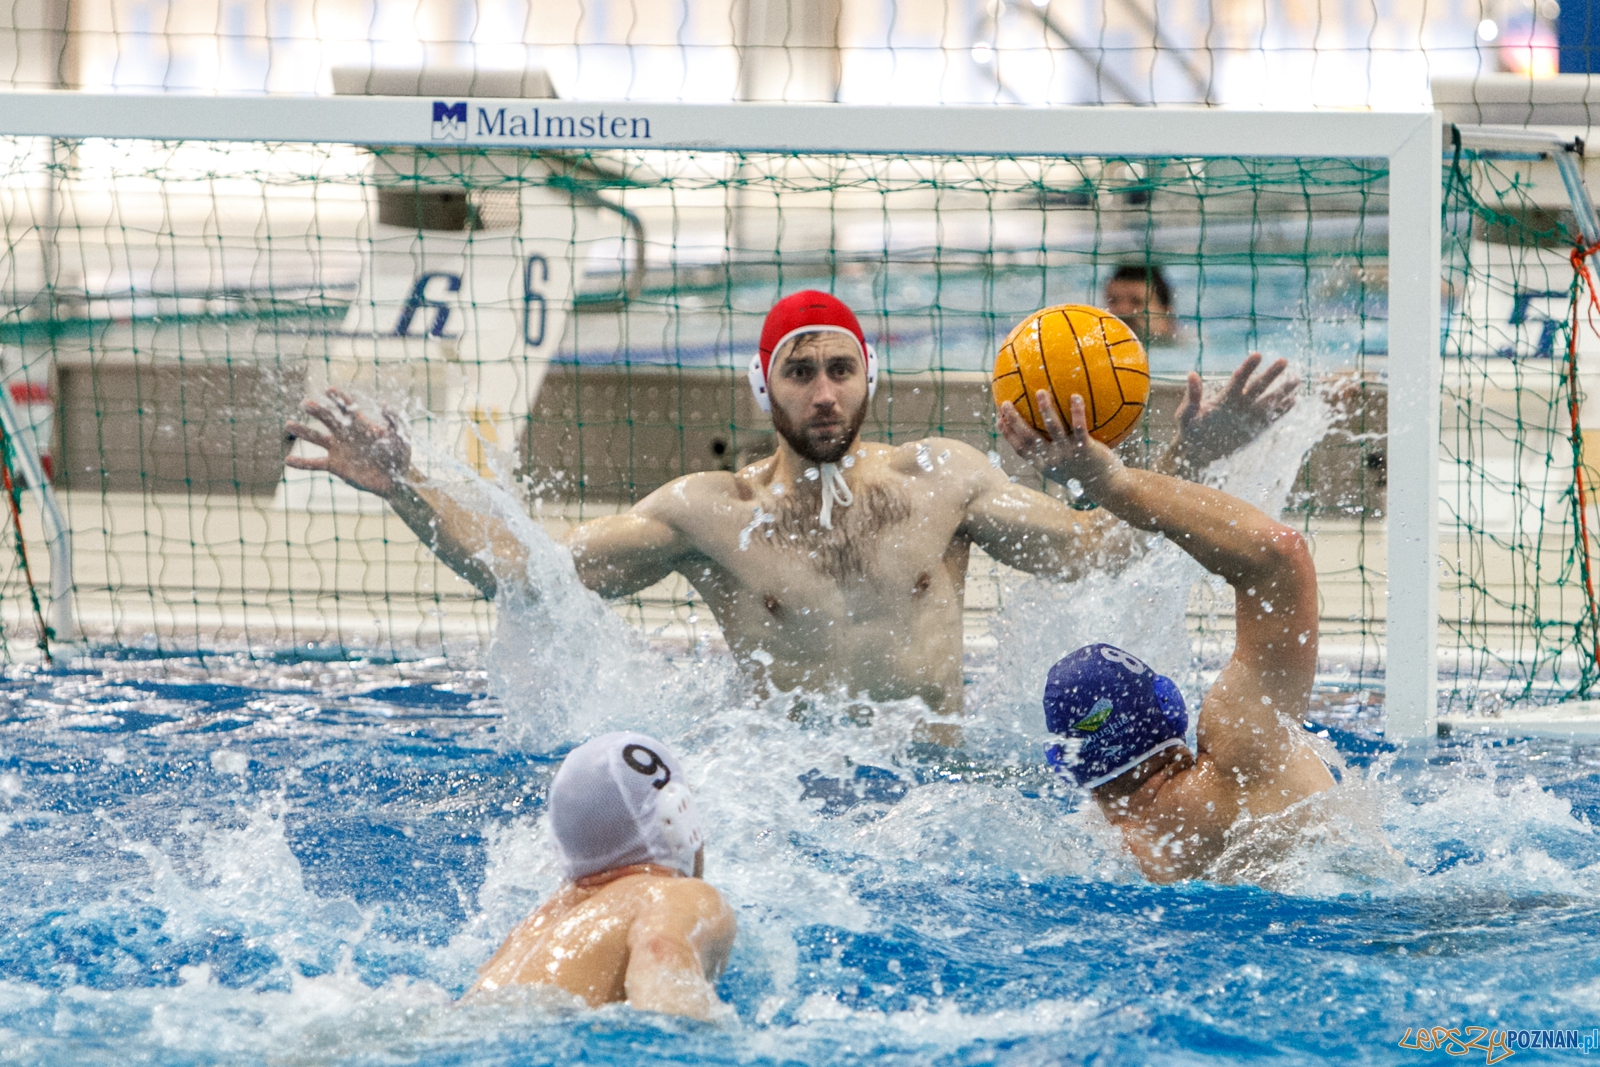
(564, 665)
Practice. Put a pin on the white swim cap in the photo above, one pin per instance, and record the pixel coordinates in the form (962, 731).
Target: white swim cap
(619, 799)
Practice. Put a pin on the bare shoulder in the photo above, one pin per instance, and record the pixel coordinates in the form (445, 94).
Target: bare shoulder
(656, 888)
(692, 894)
(952, 471)
(682, 903)
(1200, 786)
(941, 452)
(943, 458)
(691, 495)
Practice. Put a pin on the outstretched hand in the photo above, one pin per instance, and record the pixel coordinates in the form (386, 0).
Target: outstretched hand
(1209, 429)
(1067, 453)
(371, 455)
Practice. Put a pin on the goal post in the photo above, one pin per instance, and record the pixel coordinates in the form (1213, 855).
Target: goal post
(420, 131)
(1412, 634)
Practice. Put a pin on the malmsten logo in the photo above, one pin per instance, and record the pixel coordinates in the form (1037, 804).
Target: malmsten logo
(450, 121)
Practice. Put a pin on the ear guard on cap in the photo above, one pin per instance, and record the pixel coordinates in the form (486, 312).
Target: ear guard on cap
(758, 385)
(758, 377)
(676, 826)
(1169, 698)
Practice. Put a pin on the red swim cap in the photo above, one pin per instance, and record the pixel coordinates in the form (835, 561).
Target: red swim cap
(800, 311)
(807, 310)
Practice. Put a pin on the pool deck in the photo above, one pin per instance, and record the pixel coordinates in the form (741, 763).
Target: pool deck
(226, 572)
(245, 569)
(1578, 719)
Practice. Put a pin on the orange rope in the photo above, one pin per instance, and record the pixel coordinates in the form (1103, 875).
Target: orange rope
(1581, 279)
(22, 548)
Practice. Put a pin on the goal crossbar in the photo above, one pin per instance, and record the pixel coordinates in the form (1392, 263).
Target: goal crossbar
(721, 127)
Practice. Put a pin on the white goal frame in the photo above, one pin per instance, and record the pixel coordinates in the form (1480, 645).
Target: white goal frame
(1408, 141)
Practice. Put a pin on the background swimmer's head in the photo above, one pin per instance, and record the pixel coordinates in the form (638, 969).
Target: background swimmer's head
(1115, 712)
(1139, 295)
(620, 799)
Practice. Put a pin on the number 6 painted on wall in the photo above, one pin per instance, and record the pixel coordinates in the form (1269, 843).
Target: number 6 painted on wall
(531, 296)
(420, 300)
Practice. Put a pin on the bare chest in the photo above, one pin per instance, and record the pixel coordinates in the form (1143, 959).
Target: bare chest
(888, 542)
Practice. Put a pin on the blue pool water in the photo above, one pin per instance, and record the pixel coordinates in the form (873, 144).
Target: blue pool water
(302, 859)
(303, 863)
(1322, 315)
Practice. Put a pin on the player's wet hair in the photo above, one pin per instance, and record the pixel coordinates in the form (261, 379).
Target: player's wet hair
(1152, 276)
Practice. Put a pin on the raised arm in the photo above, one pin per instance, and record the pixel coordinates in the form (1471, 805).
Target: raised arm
(621, 554)
(676, 950)
(615, 555)
(375, 455)
(1266, 563)
(1035, 532)
(1210, 428)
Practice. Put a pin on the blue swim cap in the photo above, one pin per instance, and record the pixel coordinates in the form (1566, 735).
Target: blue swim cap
(1123, 712)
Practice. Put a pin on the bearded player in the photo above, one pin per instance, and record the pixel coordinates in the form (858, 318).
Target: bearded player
(833, 565)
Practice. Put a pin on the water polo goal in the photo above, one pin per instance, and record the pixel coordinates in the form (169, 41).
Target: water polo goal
(562, 295)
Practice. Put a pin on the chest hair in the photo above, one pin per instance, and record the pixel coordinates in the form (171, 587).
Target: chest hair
(858, 533)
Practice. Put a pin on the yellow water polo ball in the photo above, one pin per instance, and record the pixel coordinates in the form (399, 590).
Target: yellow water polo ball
(1075, 349)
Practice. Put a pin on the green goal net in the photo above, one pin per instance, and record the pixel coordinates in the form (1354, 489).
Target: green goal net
(576, 324)
(1516, 542)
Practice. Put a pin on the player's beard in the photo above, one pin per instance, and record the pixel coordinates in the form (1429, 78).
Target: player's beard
(822, 446)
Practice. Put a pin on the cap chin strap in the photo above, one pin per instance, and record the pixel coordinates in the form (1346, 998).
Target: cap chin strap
(834, 490)
(1065, 765)
(758, 377)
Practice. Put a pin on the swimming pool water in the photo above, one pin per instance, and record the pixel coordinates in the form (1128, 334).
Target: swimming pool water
(302, 859)
(304, 863)
(954, 318)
